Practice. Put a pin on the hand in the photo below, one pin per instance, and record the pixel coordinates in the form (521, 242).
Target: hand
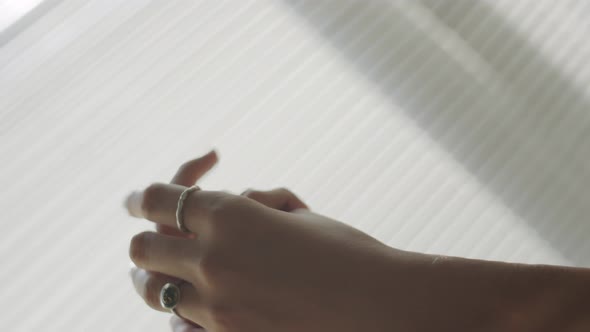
(253, 267)
(187, 175)
(268, 264)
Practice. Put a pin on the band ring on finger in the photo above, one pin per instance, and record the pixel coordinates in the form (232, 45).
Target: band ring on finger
(179, 213)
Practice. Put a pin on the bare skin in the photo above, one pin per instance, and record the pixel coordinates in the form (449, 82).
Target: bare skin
(263, 262)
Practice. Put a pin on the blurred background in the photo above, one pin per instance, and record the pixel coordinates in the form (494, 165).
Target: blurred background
(450, 127)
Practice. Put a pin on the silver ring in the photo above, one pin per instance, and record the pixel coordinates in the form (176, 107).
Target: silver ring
(176, 313)
(179, 214)
(170, 296)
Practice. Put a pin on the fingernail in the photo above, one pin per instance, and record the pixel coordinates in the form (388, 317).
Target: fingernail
(132, 272)
(139, 278)
(133, 203)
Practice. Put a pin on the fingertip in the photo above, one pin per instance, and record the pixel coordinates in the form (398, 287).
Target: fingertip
(175, 321)
(133, 204)
(192, 170)
(213, 155)
(133, 272)
(138, 277)
(180, 325)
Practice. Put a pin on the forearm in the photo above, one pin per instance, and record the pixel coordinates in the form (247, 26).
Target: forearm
(461, 294)
(558, 297)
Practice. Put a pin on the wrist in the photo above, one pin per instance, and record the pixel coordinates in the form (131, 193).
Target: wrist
(417, 292)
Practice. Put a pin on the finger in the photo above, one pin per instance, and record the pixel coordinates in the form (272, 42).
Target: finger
(158, 203)
(173, 231)
(182, 325)
(280, 199)
(163, 253)
(187, 175)
(149, 284)
(191, 171)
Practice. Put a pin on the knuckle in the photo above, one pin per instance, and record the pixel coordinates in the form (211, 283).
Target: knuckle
(208, 267)
(249, 192)
(222, 206)
(285, 191)
(223, 318)
(255, 195)
(149, 202)
(211, 270)
(226, 214)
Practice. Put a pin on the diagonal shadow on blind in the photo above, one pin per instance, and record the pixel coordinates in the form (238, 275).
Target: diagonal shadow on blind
(524, 136)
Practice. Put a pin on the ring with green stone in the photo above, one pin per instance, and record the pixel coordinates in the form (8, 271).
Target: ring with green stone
(170, 296)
